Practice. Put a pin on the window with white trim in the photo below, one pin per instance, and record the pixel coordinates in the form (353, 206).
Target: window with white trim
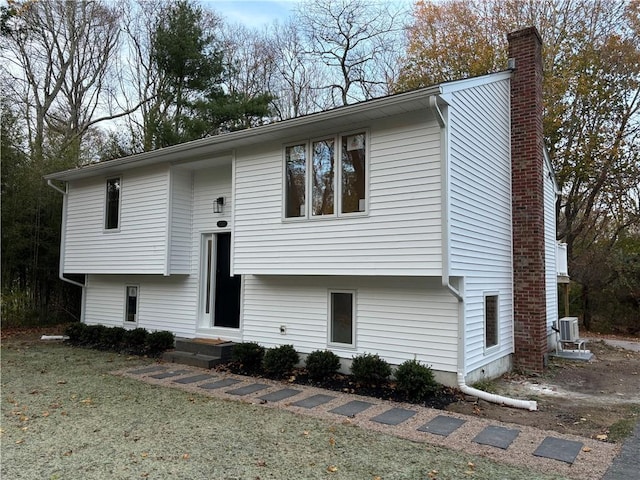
(353, 173)
(112, 204)
(342, 318)
(326, 177)
(490, 320)
(131, 304)
(295, 180)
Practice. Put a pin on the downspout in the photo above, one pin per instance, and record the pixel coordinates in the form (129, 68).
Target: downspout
(446, 280)
(62, 235)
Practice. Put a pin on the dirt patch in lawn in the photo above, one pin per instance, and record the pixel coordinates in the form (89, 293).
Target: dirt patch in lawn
(597, 399)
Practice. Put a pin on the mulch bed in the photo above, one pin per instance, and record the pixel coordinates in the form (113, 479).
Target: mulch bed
(346, 384)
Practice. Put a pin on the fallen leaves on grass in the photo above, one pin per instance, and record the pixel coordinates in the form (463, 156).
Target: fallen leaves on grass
(586, 449)
(332, 469)
(186, 456)
(602, 437)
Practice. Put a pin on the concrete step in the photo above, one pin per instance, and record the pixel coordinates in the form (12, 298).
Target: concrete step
(192, 359)
(205, 347)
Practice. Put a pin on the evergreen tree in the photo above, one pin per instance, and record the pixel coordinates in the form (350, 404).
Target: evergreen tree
(191, 102)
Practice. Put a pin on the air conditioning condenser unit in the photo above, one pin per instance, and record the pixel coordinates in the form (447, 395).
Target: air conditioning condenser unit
(569, 329)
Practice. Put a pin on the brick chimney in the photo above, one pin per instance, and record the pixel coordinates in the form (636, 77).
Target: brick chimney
(527, 177)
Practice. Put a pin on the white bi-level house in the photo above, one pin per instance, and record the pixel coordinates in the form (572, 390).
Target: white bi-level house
(389, 226)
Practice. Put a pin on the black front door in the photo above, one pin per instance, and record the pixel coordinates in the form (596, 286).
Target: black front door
(227, 295)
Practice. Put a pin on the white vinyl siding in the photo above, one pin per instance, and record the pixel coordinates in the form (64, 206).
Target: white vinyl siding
(550, 251)
(480, 212)
(139, 244)
(400, 235)
(208, 185)
(398, 318)
(164, 303)
(180, 221)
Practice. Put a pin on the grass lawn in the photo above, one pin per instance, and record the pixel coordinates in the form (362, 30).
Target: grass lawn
(64, 416)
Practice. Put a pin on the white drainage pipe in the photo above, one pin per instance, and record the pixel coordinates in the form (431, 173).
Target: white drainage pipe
(530, 405)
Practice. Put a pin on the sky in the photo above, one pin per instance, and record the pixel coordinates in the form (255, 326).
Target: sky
(251, 13)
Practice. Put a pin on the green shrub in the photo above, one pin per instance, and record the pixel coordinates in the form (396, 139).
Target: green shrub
(280, 361)
(134, 341)
(75, 331)
(92, 335)
(158, 342)
(415, 380)
(112, 339)
(248, 356)
(370, 368)
(322, 364)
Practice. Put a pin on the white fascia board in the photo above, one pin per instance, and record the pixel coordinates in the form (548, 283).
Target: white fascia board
(547, 159)
(227, 142)
(457, 85)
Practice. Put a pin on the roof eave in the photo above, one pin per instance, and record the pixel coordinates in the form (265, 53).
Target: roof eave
(229, 141)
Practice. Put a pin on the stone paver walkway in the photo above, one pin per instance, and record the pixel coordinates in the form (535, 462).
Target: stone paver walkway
(574, 457)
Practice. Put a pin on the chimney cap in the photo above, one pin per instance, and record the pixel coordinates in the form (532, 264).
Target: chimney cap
(525, 32)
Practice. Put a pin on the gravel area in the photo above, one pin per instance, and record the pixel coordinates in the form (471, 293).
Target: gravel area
(66, 415)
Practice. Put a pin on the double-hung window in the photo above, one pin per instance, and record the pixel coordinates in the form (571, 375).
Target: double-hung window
(112, 204)
(326, 177)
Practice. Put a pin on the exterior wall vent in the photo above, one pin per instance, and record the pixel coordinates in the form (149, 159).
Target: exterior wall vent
(569, 329)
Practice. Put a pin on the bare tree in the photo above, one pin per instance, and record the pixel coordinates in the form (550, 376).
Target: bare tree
(248, 58)
(140, 79)
(352, 37)
(58, 55)
(298, 80)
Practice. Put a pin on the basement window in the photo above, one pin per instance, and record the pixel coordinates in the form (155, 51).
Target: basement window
(342, 318)
(131, 314)
(490, 320)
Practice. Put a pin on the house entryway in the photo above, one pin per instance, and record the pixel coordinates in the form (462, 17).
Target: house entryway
(219, 290)
(199, 352)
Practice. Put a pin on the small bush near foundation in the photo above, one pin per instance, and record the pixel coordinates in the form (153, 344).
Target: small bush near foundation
(158, 342)
(111, 339)
(280, 361)
(118, 339)
(92, 336)
(415, 381)
(75, 331)
(248, 357)
(134, 341)
(322, 364)
(370, 369)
